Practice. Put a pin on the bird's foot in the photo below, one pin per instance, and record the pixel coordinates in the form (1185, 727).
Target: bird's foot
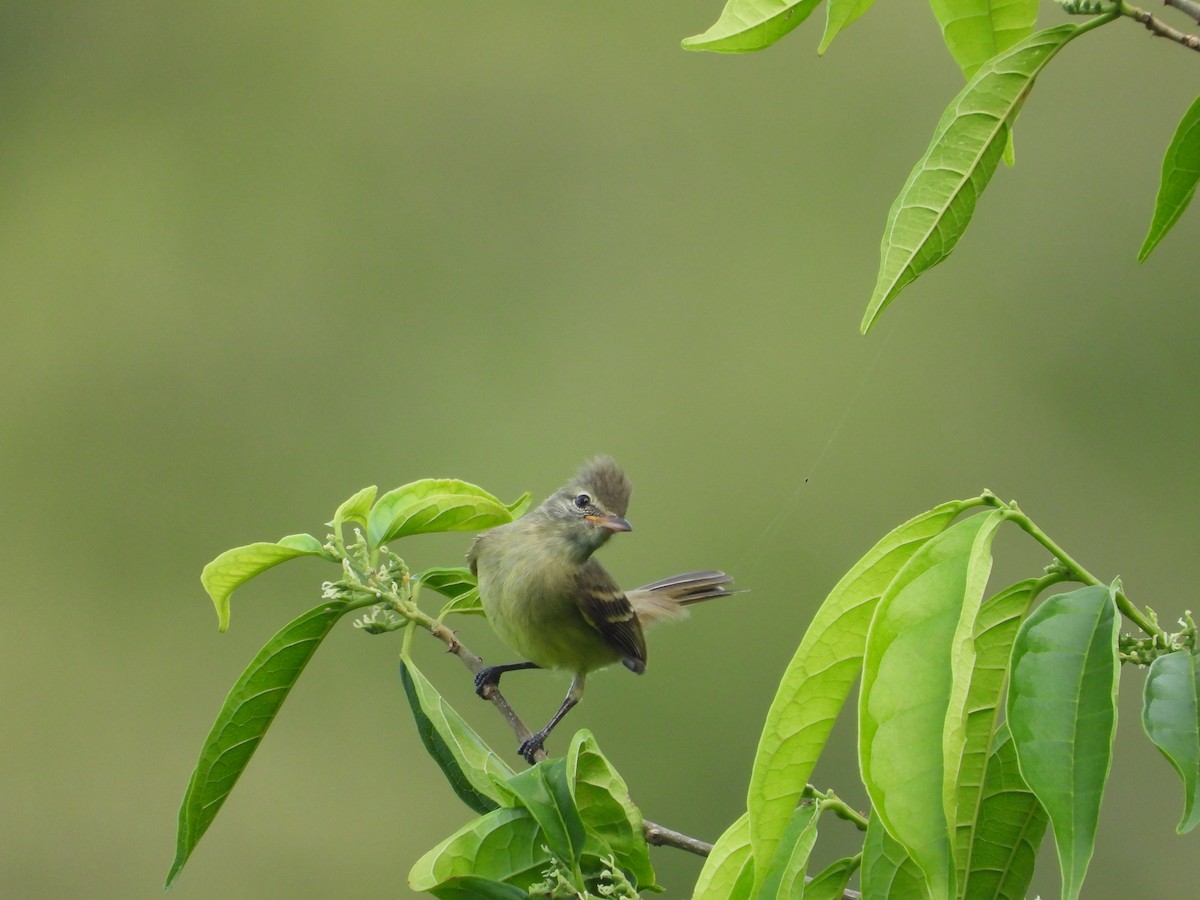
(531, 746)
(488, 676)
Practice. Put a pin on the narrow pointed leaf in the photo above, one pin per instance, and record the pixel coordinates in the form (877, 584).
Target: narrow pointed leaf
(520, 506)
(434, 504)
(1062, 713)
(728, 872)
(838, 15)
(1180, 173)
(888, 872)
(468, 763)
(821, 674)
(905, 692)
(938, 199)
(606, 808)
(830, 883)
(245, 716)
(235, 567)
(976, 30)
(505, 845)
(783, 877)
(355, 508)
(1171, 717)
(1008, 832)
(746, 25)
(995, 630)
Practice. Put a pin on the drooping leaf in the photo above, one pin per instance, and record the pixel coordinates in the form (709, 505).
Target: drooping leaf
(244, 718)
(995, 629)
(469, 764)
(1008, 830)
(830, 883)
(458, 584)
(434, 504)
(472, 887)
(505, 845)
(1062, 713)
(746, 25)
(838, 15)
(235, 567)
(937, 201)
(976, 30)
(1171, 718)
(1180, 173)
(728, 872)
(783, 877)
(607, 809)
(544, 791)
(888, 872)
(905, 691)
(355, 508)
(821, 674)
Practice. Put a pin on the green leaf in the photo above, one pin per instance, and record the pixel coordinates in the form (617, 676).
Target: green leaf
(244, 718)
(1180, 172)
(1062, 713)
(728, 872)
(938, 199)
(746, 25)
(783, 877)
(471, 887)
(838, 15)
(1171, 717)
(607, 810)
(887, 870)
(458, 584)
(544, 791)
(830, 883)
(355, 508)
(520, 506)
(995, 630)
(821, 674)
(1009, 830)
(906, 688)
(469, 764)
(235, 567)
(976, 30)
(434, 504)
(505, 845)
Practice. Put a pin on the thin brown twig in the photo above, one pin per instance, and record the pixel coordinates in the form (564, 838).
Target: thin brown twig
(1189, 8)
(1159, 28)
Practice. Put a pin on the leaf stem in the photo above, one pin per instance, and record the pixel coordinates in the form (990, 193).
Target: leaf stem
(837, 806)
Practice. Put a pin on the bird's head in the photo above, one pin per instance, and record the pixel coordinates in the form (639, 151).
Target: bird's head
(592, 504)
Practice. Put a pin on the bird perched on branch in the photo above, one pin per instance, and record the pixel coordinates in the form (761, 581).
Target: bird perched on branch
(553, 603)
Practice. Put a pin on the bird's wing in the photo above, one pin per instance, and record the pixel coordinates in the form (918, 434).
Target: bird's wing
(609, 611)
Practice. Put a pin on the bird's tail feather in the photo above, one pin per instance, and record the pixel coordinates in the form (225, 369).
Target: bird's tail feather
(669, 598)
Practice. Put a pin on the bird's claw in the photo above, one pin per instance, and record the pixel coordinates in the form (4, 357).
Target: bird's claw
(530, 746)
(488, 676)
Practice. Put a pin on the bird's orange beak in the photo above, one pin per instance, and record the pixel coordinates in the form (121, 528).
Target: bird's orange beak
(610, 523)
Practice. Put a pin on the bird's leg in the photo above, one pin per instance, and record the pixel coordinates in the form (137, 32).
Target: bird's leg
(489, 676)
(534, 743)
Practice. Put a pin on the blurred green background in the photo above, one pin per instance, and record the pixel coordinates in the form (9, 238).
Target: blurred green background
(257, 256)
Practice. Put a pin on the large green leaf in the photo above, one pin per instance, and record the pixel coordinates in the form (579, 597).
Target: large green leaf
(746, 25)
(783, 876)
(1062, 712)
(938, 199)
(995, 629)
(728, 872)
(821, 674)
(1171, 717)
(245, 716)
(888, 872)
(435, 504)
(607, 809)
(544, 791)
(830, 883)
(976, 30)
(469, 764)
(505, 845)
(1180, 173)
(237, 566)
(838, 15)
(1008, 830)
(906, 688)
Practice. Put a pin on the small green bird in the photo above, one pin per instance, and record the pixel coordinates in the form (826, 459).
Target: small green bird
(554, 604)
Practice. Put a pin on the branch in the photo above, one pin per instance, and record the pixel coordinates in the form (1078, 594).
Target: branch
(1159, 28)
(1189, 8)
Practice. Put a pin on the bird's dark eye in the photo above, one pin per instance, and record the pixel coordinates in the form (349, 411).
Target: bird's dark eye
(583, 501)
